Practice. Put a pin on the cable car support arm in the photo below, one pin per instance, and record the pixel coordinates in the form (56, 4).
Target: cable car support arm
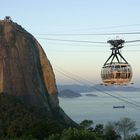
(116, 46)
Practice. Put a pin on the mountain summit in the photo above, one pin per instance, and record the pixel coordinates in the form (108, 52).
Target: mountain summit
(25, 71)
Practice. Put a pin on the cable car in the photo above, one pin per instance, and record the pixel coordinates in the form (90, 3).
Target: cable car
(117, 71)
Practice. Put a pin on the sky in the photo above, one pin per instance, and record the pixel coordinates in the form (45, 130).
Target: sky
(75, 62)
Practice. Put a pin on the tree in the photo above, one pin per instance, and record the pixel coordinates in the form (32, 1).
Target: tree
(86, 124)
(75, 134)
(110, 132)
(99, 130)
(125, 127)
(135, 137)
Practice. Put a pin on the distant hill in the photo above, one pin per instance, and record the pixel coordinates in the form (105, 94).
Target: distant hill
(94, 88)
(68, 94)
(91, 95)
(75, 87)
(129, 88)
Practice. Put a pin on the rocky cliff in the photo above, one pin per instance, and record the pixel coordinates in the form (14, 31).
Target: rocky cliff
(25, 70)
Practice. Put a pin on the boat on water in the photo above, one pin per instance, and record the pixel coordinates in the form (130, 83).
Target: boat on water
(119, 106)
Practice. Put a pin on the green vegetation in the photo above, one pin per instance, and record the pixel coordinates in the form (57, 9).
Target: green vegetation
(125, 127)
(112, 131)
(19, 121)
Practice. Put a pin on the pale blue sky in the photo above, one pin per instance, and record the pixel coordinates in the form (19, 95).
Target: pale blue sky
(78, 16)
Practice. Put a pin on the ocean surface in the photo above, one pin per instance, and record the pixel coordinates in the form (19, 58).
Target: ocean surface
(100, 108)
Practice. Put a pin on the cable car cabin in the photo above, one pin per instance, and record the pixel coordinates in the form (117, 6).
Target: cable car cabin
(116, 73)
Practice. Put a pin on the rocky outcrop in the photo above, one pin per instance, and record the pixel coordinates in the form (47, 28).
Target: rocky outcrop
(25, 71)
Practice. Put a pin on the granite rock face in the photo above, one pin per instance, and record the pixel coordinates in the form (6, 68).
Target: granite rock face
(25, 70)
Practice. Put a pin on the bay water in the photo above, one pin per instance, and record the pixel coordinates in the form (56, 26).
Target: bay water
(100, 108)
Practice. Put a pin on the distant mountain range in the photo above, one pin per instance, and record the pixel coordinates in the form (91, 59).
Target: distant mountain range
(95, 88)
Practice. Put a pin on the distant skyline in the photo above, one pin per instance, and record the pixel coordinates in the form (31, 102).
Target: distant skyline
(73, 62)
